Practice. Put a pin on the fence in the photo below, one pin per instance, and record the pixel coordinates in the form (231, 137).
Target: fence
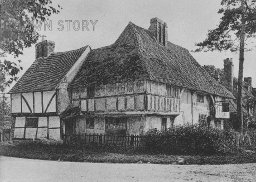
(102, 140)
(176, 144)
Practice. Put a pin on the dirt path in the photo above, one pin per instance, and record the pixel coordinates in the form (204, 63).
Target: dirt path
(26, 170)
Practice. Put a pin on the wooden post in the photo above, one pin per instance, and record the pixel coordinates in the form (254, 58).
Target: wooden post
(241, 63)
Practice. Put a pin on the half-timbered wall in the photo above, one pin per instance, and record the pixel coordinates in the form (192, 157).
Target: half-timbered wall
(41, 127)
(34, 102)
(131, 96)
(35, 115)
(193, 109)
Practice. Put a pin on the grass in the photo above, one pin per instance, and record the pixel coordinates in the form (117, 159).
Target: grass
(58, 152)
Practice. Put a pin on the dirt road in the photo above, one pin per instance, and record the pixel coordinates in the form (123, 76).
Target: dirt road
(26, 170)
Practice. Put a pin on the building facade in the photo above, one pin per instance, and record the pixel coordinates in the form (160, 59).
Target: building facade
(140, 82)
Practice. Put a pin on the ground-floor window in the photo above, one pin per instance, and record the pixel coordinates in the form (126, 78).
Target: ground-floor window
(116, 125)
(203, 120)
(89, 123)
(164, 124)
(31, 122)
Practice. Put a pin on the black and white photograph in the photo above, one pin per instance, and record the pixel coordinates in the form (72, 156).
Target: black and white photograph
(127, 91)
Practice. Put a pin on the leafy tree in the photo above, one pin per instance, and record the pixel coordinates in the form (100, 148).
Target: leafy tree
(236, 27)
(17, 31)
(5, 108)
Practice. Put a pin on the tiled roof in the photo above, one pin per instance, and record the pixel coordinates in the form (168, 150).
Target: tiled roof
(46, 73)
(137, 55)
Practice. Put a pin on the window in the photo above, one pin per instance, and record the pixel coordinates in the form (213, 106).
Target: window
(225, 107)
(164, 124)
(203, 120)
(31, 122)
(91, 91)
(89, 123)
(200, 98)
(116, 125)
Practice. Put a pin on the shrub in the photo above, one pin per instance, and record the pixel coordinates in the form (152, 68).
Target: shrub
(189, 139)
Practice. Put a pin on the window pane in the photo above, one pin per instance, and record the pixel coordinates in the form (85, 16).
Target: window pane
(164, 124)
(89, 123)
(32, 122)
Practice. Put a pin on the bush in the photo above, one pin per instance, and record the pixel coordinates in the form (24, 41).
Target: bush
(189, 139)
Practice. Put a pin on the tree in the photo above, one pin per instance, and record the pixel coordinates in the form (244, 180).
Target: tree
(17, 31)
(237, 27)
(5, 108)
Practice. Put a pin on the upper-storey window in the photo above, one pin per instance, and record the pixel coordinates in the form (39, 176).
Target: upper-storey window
(91, 91)
(172, 91)
(200, 98)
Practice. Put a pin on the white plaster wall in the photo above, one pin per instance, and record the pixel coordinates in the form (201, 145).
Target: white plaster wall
(25, 108)
(130, 102)
(20, 121)
(185, 115)
(100, 104)
(46, 98)
(18, 132)
(162, 89)
(29, 99)
(16, 103)
(38, 102)
(111, 103)
(135, 125)
(42, 122)
(152, 122)
(83, 105)
(139, 102)
(30, 133)
(42, 133)
(121, 103)
(83, 93)
(139, 86)
(54, 121)
(52, 106)
(90, 104)
(200, 108)
(54, 134)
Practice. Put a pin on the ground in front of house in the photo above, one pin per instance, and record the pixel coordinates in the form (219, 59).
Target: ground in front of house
(26, 170)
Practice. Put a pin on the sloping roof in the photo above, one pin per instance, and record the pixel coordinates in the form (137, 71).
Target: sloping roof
(137, 55)
(46, 73)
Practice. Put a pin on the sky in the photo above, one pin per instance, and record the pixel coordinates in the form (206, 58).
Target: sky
(188, 23)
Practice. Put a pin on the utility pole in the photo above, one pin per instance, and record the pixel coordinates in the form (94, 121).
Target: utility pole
(241, 68)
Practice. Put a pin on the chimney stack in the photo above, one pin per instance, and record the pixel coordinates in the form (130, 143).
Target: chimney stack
(229, 73)
(217, 76)
(160, 30)
(44, 48)
(248, 82)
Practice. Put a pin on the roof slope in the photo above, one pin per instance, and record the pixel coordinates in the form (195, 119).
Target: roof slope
(46, 73)
(137, 55)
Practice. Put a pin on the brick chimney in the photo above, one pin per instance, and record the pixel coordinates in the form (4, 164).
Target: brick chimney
(159, 30)
(44, 48)
(248, 82)
(229, 73)
(217, 76)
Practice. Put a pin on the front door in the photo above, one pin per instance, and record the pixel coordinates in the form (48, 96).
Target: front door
(69, 127)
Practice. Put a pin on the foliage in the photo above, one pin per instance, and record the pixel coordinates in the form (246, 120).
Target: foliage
(17, 18)
(226, 35)
(189, 139)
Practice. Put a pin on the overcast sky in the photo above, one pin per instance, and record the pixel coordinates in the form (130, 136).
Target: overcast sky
(188, 22)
